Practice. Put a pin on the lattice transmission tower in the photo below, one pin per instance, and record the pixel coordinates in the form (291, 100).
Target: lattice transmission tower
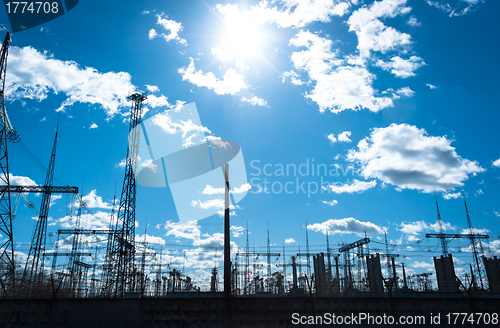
(33, 271)
(121, 269)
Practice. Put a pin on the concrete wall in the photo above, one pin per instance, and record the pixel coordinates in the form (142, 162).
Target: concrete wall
(212, 312)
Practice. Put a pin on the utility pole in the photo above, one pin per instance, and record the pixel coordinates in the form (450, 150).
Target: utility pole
(227, 242)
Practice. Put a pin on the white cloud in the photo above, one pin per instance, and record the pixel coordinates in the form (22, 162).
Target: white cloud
(221, 54)
(94, 201)
(209, 190)
(332, 203)
(54, 198)
(152, 34)
(400, 67)
(294, 78)
(403, 155)
(356, 186)
(152, 88)
(243, 188)
(18, 180)
(412, 21)
(422, 265)
(156, 101)
(294, 13)
(344, 136)
(150, 240)
(231, 82)
(497, 163)
(332, 138)
(212, 203)
(93, 126)
(337, 87)
(171, 26)
(417, 227)
(372, 34)
(32, 74)
(187, 129)
(289, 241)
(346, 226)
(99, 220)
(405, 91)
(474, 231)
(451, 195)
(255, 101)
(188, 230)
(148, 163)
(236, 231)
(479, 192)
(431, 86)
(460, 9)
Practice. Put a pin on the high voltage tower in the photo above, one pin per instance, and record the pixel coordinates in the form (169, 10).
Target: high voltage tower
(35, 261)
(122, 251)
(7, 264)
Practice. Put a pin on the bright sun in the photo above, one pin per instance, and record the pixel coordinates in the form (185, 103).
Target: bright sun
(243, 39)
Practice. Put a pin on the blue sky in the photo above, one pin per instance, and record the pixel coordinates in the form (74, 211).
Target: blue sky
(402, 92)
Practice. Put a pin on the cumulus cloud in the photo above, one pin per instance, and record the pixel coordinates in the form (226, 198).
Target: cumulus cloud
(18, 180)
(33, 74)
(255, 101)
(188, 230)
(150, 240)
(454, 195)
(94, 201)
(289, 241)
(497, 163)
(231, 82)
(332, 203)
(291, 13)
(171, 26)
(187, 129)
(400, 67)
(212, 203)
(152, 88)
(332, 138)
(98, 221)
(337, 86)
(372, 34)
(209, 190)
(294, 77)
(422, 265)
(355, 186)
(346, 226)
(93, 126)
(405, 156)
(344, 136)
(236, 231)
(431, 86)
(417, 227)
(412, 21)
